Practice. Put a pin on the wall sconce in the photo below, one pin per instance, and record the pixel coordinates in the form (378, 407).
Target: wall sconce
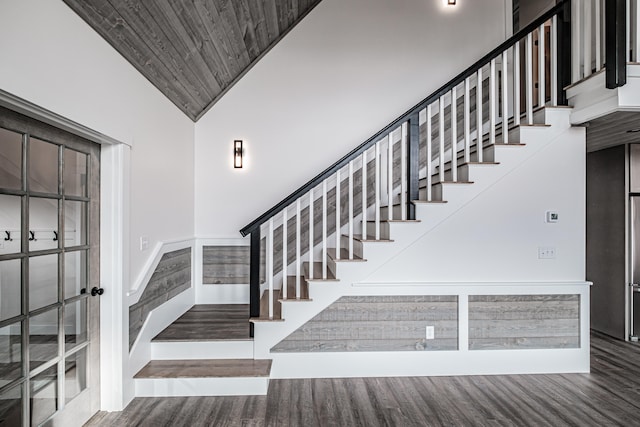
(237, 153)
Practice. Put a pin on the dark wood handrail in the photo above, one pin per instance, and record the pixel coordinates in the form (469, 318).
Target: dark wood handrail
(404, 117)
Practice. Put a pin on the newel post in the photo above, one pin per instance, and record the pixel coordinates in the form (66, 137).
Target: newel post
(564, 52)
(615, 16)
(254, 276)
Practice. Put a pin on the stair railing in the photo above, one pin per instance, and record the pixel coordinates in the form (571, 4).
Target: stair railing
(379, 180)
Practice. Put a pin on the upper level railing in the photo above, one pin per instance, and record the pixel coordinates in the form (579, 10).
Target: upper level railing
(327, 219)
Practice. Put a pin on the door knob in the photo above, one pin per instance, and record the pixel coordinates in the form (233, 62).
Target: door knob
(96, 291)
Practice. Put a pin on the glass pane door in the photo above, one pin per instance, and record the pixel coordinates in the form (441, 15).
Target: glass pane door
(48, 264)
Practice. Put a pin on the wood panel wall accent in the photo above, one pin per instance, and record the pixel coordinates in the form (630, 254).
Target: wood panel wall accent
(225, 265)
(192, 51)
(171, 277)
(500, 322)
(378, 323)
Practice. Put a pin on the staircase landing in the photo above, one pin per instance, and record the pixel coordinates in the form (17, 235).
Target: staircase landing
(209, 322)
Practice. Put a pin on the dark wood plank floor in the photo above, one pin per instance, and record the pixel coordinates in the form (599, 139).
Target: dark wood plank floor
(209, 322)
(608, 396)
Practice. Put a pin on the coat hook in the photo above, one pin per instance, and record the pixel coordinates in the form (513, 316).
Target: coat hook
(8, 238)
(55, 235)
(33, 236)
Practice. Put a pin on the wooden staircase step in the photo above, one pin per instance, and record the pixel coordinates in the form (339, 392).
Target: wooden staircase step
(205, 368)
(291, 290)
(264, 308)
(360, 238)
(344, 255)
(209, 322)
(317, 272)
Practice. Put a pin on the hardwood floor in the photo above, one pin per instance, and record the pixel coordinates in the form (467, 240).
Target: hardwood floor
(608, 396)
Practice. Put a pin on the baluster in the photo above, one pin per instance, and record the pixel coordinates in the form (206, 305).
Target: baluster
(390, 177)
(284, 253)
(324, 229)
(298, 238)
(576, 39)
(554, 59)
(516, 84)
(479, 144)
(505, 97)
(377, 190)
(587, 38)
(598, 34)
(403, 172)
(364, 195)
(350, 209)
(441, 159)
(542, 67)
(429, 156)
(529, 80)
(338, 195)
(636, 37)
(492, 102)
(270, 266)
(467, 120)
(454, 134)
(311, 239)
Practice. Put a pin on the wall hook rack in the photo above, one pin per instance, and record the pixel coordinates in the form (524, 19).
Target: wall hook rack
(8, 238)
(55, 236)
(32, 236)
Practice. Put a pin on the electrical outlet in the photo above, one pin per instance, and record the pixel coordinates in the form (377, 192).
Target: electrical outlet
(546, 252)
(431, 333)
(144, 243)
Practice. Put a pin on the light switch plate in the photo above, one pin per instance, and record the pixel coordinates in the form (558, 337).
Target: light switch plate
(144, 243)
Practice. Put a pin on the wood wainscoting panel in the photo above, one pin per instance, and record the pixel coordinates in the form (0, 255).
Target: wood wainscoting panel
(378, 323)
(226, 265)
(499, 322)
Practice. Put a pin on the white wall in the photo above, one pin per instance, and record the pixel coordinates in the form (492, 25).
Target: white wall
(347, 70)
(51, 58)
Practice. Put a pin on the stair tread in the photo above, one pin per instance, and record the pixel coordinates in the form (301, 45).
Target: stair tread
(317, 272)
(359, 238)
(205, 368)
(344, 255)
(395, 220)
(291, 290)
(209, 322)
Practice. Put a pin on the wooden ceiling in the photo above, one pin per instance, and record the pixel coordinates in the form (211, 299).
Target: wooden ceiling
(620, 127)
(193, 51)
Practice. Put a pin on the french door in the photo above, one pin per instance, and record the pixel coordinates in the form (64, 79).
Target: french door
(49, 265)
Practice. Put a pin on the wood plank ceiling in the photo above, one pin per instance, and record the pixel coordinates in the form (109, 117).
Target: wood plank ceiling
(193, 51)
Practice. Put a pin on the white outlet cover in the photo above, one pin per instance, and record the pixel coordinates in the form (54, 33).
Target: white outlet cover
(430, 332)
(546, 252)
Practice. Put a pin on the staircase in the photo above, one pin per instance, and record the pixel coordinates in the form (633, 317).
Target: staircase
(349, 229)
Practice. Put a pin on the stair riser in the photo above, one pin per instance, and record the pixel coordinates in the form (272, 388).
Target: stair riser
(176, 387)
(384, 230)
(195, 350)
(357, 246)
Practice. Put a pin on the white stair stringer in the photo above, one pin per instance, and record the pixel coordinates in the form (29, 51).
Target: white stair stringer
(431, 215)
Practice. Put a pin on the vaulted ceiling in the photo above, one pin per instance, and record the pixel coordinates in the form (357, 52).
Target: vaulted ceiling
(193, 51)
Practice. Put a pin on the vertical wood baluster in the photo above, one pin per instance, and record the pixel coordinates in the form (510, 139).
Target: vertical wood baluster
(587, 38)
(529, 80)
(576, 40)
(270, 266)
(324, 229)
(311, 239)
(542, 67)
(467, 120)
(554, 60)
(429, 154)
(285, 218)
(377, 191)
(298, 239)
(338, 226)
(505, 97)
(492, 102)
(454, 134)
(441, 138)
(636, 37)
(403, 171)
(364, 195)
(598, 34)
(516, 84)
(479, 144)
(390, 177)
(351, 209)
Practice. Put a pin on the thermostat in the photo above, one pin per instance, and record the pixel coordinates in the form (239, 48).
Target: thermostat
(552, 216)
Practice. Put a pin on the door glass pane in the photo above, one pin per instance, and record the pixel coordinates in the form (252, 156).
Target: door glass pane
(10, 353)
(75, 223)
(10, 224)
(10, 288)
(75, 374)
(44, 395)
(75, 173)
(75, 324)
(43, 281)
(10, 159)
(43, 338)
(43, 222)
(43, 166)
(75, 273)
(11, 407)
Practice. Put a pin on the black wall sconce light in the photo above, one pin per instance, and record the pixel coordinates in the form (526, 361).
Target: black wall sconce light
(237, 154)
